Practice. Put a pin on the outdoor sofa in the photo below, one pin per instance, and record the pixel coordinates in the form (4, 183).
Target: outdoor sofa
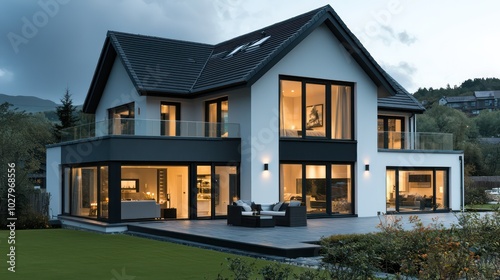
(291, 214)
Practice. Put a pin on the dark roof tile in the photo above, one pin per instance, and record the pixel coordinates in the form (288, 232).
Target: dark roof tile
(159, 66)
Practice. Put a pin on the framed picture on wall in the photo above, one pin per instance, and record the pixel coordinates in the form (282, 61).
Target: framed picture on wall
(314, 116)
(130, 185)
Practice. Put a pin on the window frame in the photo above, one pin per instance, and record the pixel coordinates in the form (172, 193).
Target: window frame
(218, 103)
(386, 119)
(177, 106)
(327, 108)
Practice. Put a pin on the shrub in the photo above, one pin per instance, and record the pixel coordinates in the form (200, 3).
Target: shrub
(239, 269)
(468, 250)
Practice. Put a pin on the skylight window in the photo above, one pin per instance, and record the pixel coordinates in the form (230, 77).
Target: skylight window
(248, 46)
(260, 42)
(239, 48)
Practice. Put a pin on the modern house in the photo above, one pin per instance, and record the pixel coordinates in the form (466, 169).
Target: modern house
(473, 104)
(298, 110)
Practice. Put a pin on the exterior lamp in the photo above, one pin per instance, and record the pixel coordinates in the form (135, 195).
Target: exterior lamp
(367, 167)
(266, 166)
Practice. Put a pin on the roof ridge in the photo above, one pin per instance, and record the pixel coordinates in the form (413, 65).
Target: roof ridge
(159, 38)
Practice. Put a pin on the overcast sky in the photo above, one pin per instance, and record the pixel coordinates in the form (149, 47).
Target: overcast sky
(48, 45)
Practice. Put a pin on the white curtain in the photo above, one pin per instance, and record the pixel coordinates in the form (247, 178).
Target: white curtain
(341, 112)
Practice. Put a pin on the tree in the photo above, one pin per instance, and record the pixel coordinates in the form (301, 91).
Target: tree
(488, 123)
(22, 143)
(68, 117)
(465, 133)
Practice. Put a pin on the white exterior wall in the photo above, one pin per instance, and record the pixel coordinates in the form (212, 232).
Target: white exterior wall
(320, 56)
(239, 112)
(54, 180)
(120, 90)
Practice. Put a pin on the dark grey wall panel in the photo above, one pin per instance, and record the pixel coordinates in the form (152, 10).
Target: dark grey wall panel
(152, 149)
(311, 150)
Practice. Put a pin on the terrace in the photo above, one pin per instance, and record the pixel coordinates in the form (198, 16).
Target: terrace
(158, 128)
(416, 141)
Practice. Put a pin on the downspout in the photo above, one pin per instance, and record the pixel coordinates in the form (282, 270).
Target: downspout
(414, 130)
(462, 194)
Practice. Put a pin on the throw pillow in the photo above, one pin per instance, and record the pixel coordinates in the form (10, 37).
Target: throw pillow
(277, 206)
(283, 206)
(256, 207)
(295, 203)
(245, 206)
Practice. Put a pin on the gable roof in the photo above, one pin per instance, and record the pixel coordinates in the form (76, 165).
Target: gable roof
(166, 67)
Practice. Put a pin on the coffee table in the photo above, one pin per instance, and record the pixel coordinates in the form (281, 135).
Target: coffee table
(257, 221)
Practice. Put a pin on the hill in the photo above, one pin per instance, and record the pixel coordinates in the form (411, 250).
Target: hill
(30, 104)
(430, 96)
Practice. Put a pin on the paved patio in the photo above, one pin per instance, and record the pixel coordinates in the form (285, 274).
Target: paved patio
(290, 242)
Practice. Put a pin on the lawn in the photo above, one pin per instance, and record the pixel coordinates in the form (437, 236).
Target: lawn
(488, 207)
(72, 254)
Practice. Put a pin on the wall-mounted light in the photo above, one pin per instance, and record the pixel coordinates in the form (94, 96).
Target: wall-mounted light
(266, 166)
(367, 167)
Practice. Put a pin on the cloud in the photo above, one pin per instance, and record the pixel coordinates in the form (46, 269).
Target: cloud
(406, 39)
(389, 35)
(403, 73)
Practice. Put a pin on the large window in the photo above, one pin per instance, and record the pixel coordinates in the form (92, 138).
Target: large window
(84, 192)
(169, 114)
(316, 109)
(217, 115)
(416, 189)
(323, 188)
(164, 185)
(121, 119)
(391, 132)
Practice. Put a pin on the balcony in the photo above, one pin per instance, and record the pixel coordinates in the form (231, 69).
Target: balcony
(151, 128)
(426, 141)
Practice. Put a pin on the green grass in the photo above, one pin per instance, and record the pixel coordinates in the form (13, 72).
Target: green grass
(482, 207)
(72, 254)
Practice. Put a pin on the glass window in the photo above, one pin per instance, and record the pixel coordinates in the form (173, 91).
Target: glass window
(104, 199)
(441, 189)
(341, 112)
(341, 189)
(225, 188)
(391, 132)
(204, 186)
(291, 109)
(315, 100)
(169, 115)
(164, 185)
(327, 110)
(121, 119)
(290, 182)
(316, 188)
(84, 192)
(217, 117)
(416, 189)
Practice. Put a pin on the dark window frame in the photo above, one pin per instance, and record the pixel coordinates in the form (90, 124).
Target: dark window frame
(386, 119)
(327, 121)
(218, 102)
(177, 106)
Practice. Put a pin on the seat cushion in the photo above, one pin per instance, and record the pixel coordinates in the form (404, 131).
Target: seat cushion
(273, 213)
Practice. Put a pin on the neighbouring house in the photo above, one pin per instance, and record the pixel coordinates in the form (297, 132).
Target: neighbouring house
(473, 104)
(298, 110)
